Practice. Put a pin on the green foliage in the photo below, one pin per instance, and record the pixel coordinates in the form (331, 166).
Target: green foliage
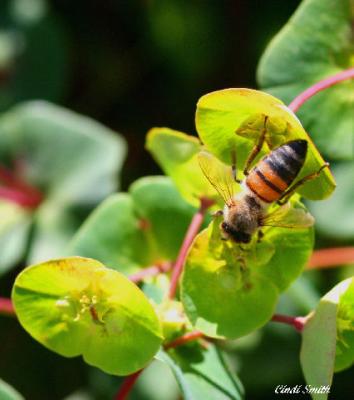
(316, 43)
(345, 325)
(335, 216)
(170, 25)
(202, 373)
(176, 154)
(234, 118)
(76, 306)
(249, 279)
(328, 337)
(319, 347)
(64, 155)
(132, 230)
(8, 393)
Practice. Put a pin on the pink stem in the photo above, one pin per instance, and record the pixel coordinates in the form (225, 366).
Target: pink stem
(6, 307)
(127, 386)
(190, 235)
(150, 271)
(188, 337)
(297, 322)
(321, 85)
(13, 189)
(22, 198)
(326, 258)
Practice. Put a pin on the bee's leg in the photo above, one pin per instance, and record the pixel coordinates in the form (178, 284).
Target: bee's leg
(234, 166)
(284, 198)
(242, 262)
(218, 213)
(241, 259)
(257, 148)
(260, 236)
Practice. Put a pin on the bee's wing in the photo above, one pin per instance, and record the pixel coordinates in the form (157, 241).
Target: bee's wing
(287, 217)
(218, 174)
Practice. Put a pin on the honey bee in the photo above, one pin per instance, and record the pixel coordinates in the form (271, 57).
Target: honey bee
(269, 181)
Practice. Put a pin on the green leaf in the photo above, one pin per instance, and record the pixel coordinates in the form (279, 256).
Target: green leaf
(65, 155)
(14, 227)
(202, 373)
(155, 383)
(176, 153)
(76, 306)
(334, 316)
(316, 43)
(143, 228)
(339, 207)
(112, 235)
(8, 393)
(319, 346)
(233, 118)
(250, 278)
(214, 272)
(345, 326)
(61, 151)
(292, 250)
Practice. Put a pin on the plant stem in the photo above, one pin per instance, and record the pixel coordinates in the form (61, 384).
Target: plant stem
(6, 307)
(15, 190)
(127, 385)
(326, 258)
(188, 337)
(22, 198)
(321, 85)
(297, 322)
(192, 231)
(150, 271)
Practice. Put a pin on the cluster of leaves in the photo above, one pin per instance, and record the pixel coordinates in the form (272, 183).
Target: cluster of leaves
(316, 43)
(86, 304)
(57, 152)
(78, 306)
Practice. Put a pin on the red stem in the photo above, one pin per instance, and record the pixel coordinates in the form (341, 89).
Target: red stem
(192, 231)
(188, 337)
(297, 322)
(326, 258)
(321, 85)
(13, 189)
(21, 197)
(6, 307)
(150, 271)
(127, 385)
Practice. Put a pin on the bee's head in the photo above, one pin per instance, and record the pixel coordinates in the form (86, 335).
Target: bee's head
(236, 235)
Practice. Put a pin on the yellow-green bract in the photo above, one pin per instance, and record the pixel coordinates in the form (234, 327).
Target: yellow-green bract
(315, 44)
(176, 153)
(234, 118)
(228, 292)
(76, 306)
(328, 337)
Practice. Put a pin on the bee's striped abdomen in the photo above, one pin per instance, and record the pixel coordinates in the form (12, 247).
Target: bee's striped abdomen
(276, 171)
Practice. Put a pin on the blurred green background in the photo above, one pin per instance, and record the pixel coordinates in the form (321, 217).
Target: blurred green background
(133, 65)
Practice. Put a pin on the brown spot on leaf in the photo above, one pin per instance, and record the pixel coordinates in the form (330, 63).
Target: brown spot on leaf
(144, 224)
